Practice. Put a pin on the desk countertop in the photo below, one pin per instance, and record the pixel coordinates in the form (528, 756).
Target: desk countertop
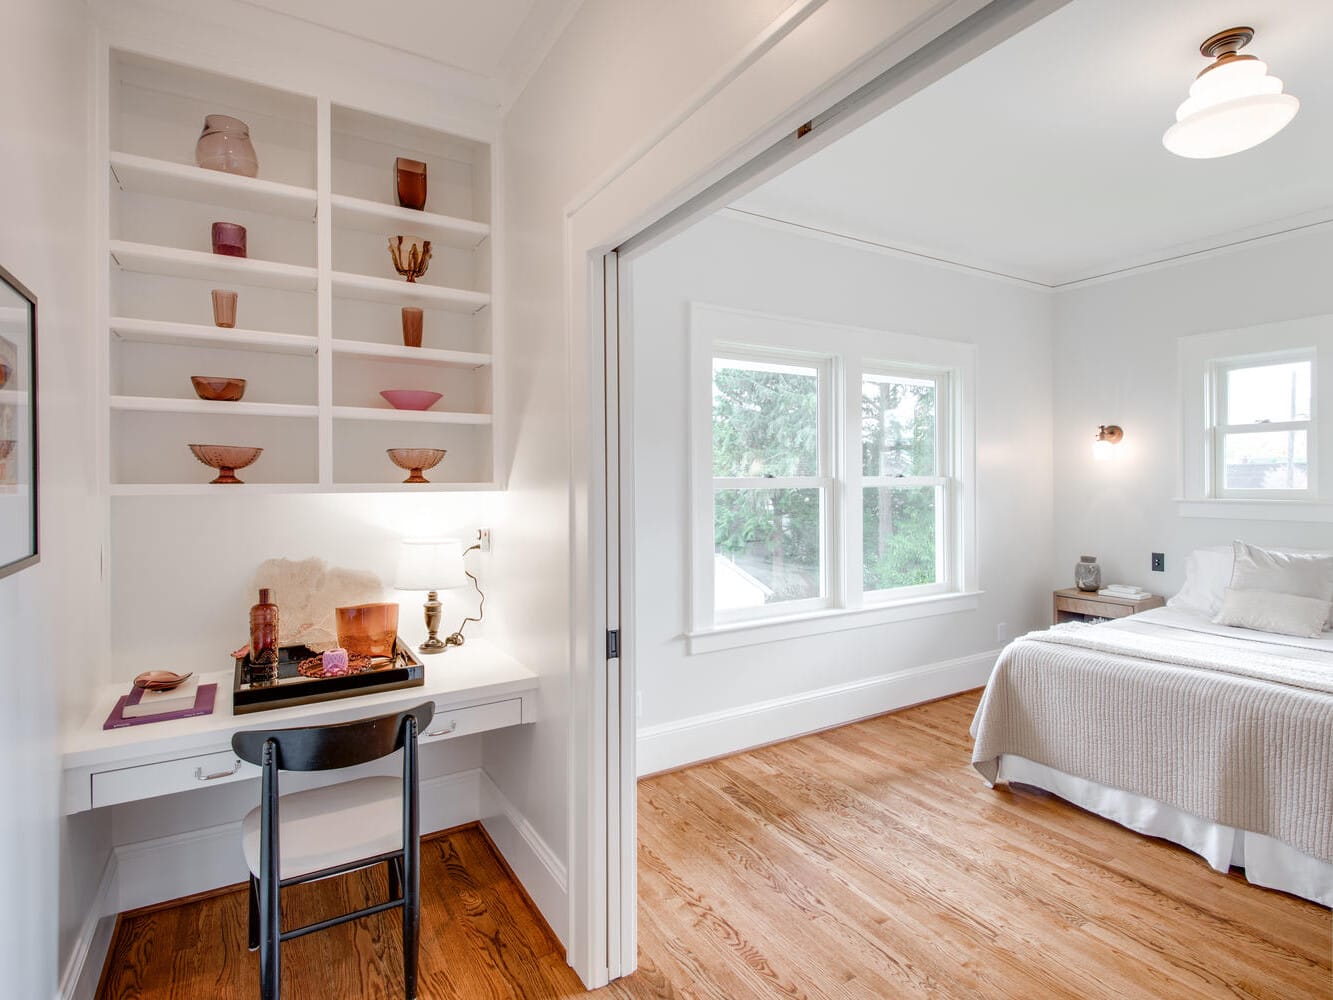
(461, 676)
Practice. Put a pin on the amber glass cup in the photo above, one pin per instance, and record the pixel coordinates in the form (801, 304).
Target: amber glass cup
(368, 629)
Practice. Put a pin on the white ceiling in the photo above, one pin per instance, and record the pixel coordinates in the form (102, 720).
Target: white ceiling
(489, 38)
(1043, 159)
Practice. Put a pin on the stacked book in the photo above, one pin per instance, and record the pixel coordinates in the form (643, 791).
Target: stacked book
(178, 699)
(1124, 591)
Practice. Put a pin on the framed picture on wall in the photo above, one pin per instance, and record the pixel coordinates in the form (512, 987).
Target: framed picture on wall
(18, 425)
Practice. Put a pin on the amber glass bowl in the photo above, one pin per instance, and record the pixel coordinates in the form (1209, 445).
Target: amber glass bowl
(5, 372)
(217, 389)
(416, 461)
(6, 449)
(226, 458)
(368, 629)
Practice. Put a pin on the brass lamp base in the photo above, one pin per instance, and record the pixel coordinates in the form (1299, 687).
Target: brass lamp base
(433, 643)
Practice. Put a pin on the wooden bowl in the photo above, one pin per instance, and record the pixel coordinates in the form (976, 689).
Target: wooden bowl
(226, 458)
(416, 461)
(218, 389)
(160, 680)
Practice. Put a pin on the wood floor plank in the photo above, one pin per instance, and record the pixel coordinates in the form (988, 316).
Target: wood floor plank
(866, 862)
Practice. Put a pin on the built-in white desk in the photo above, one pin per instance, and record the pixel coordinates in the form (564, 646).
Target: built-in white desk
(475, 688)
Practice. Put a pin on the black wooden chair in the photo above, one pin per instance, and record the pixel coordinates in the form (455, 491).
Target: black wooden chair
(310, 835)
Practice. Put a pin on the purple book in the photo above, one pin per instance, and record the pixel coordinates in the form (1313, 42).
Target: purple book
(203, 705)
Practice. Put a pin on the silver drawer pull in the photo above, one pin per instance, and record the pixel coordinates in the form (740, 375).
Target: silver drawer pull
(200, 776)
(445, 732)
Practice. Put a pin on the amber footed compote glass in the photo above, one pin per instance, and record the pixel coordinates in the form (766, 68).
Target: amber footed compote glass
(416, 461)
(226, 458)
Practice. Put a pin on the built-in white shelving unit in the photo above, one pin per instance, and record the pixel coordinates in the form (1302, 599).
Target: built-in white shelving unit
(318, 332)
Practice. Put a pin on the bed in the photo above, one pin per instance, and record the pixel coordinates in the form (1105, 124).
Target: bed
(1215, 737)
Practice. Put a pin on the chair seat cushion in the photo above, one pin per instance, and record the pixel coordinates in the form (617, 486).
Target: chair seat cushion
(334, 825)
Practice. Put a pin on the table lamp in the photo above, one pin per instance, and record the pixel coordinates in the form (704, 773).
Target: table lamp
(435, 564)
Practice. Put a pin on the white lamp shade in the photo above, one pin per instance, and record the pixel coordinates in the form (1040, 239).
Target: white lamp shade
(430, 564)
(1231, 108)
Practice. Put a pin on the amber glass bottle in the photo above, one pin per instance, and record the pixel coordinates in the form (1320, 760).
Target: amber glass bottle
(264, 639)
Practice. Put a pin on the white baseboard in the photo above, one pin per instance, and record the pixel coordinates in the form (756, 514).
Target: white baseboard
(538, 867)
(78, 980)
(153, 871)
(715, 734)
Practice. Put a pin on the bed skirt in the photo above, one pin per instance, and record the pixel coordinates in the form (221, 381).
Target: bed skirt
(1267, 862)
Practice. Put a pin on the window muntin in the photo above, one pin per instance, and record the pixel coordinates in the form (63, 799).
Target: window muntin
(771, 458)
(1263, 429)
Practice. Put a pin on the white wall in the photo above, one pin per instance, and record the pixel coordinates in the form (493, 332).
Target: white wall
(569, 126)
(1115, 362)
(732, 262)
(50, 614)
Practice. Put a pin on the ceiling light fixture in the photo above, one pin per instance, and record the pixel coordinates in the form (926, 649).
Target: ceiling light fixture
(1233, 104)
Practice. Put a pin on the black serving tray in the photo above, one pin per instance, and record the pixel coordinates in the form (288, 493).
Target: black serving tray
(403, 670)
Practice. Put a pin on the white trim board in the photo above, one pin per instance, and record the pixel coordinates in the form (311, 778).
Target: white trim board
(675, 744)
(83, 968)
(537, 867)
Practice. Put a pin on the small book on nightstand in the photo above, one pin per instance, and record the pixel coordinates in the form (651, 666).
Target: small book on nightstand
(177, 699)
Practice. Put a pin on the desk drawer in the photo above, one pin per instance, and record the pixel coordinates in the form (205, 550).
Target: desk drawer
(148, 780)
(449, 723)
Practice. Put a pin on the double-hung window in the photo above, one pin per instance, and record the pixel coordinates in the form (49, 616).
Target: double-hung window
(831, 472)
(1263, 435)
(1257, 424)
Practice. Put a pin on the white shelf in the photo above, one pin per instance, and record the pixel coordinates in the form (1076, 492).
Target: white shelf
(15, 397)
(412, 487)
(406, 293)
(147, 258)
(415, 355)
(392, 220)
(143, 175)
(150, 331)
(204, 489)
(159, 404)
(409, 416)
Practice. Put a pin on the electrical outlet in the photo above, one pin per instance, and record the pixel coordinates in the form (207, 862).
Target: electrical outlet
(484, 539)
(1002, 632)
(1159, 562)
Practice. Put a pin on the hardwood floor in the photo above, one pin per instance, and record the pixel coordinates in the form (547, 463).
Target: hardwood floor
(869, 861)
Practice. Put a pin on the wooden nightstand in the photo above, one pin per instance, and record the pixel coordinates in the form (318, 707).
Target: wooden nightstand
(1072, 605)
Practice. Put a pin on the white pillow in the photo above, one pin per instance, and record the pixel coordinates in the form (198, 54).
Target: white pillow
(1276, 591)
(1272, 611)
(1207, 576)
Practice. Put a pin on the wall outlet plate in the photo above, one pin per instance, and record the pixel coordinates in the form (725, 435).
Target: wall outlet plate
(484, 539)
(1159, 562)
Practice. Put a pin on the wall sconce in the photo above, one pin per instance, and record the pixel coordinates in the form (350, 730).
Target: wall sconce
(433, 565)
(1107, 436)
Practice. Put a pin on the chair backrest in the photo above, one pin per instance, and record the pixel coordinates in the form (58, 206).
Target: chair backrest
(341, 744)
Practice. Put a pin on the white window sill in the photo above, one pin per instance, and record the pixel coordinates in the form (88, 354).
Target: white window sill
(1256, 510)
(731, 636)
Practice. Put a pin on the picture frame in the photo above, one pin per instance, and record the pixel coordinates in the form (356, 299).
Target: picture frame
(19, 538)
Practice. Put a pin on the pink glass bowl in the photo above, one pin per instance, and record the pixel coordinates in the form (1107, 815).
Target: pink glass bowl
(411, 399)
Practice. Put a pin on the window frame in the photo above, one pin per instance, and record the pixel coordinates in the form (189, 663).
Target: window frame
(850, 354)
(1218, 430)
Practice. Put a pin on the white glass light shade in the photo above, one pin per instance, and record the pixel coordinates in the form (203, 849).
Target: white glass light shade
(430, 564)
(1232, 107)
